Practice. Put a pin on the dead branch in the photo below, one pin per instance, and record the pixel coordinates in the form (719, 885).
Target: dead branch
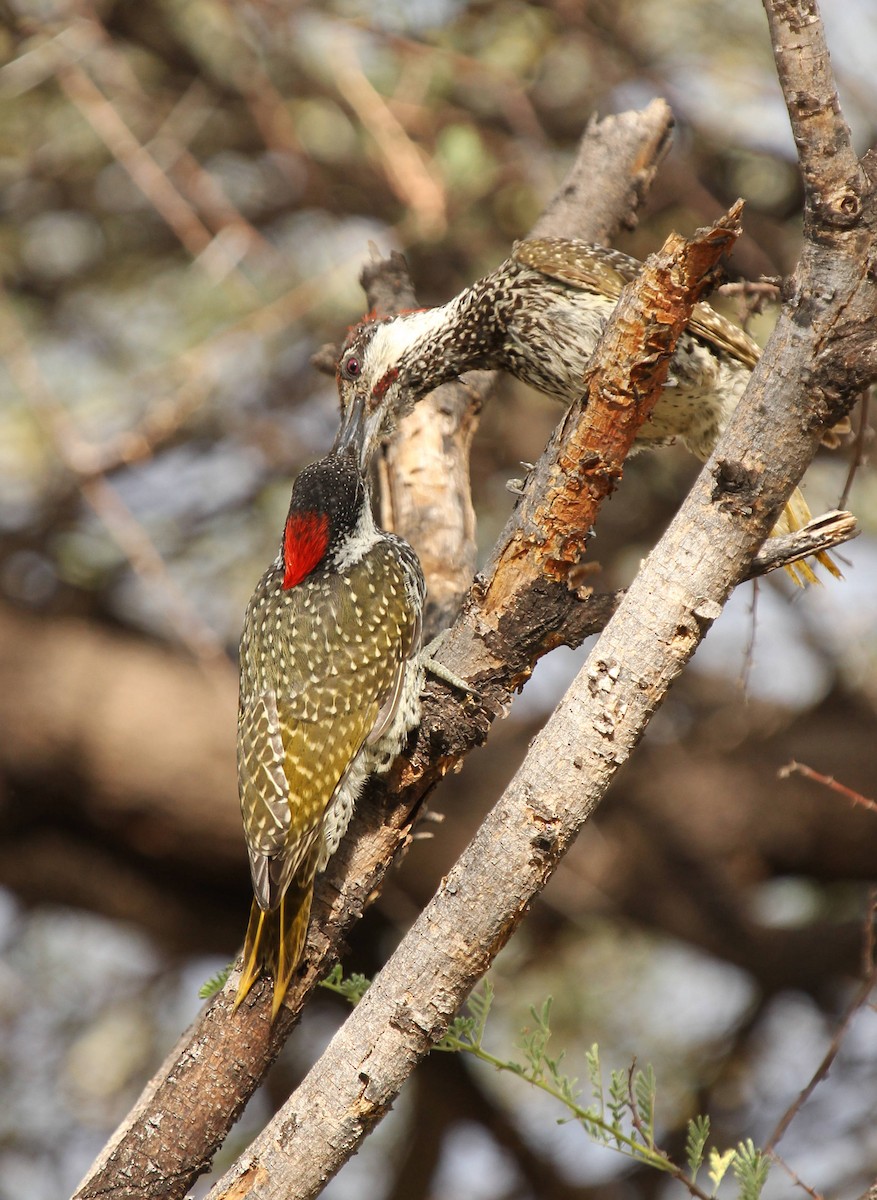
(424, 471)
(857, 1002)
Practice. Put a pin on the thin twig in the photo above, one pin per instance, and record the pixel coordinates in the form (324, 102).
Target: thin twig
(203, 188)
(145, 172)
(749, 652)
(797, 768)
(751, 297)
(796, 1179)
(408, 172)
(859, 1000)
(858, 457)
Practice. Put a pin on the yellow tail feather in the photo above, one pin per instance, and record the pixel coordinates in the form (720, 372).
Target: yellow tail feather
(275, 942)
(795, 516)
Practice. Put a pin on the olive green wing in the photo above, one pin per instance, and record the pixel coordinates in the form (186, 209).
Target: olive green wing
(293, 752)
(297, 740)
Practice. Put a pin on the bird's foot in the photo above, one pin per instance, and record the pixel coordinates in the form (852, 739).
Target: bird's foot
(439, 670)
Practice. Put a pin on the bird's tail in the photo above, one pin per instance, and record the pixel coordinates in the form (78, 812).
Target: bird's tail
(795, 516)
(275, 941)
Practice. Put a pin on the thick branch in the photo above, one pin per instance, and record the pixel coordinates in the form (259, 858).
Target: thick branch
(833, 177)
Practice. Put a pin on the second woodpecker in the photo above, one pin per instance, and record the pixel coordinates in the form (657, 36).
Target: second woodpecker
(539, 316)
(330, 678)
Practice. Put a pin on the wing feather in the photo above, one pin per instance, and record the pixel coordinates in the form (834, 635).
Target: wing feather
(583, 265)
(333, 681)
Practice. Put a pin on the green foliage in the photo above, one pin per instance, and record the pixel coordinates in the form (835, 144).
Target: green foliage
(617, 1102)
(352, 988)
(621, 1116)
(625, 1121)
(644, 1090)
(750, 1168)
(216, 984)
(695, 1143)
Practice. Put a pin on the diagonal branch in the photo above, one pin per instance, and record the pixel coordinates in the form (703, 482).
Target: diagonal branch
(424, 472)
(833, 176)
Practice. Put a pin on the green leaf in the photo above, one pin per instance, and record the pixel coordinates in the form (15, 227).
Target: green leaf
(479, 1005)
(333, 979)
(595, 1075)
(216, 984)
(466, 1030)
(751, 1168)
(618, 1099)
(569, 1089)
(644, 1091)
(534, 1044)
(352, 988)
(458, 1036)
(695, 1143)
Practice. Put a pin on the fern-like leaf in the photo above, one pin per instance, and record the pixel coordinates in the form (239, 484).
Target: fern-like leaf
(351, 987)
(216, 984)
(479, 1005)
(695, 1143)
(644, 1092)
(751, 1168)
(618, 1100)
(595, 1075)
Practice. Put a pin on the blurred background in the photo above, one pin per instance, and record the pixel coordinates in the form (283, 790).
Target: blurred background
(187, 193)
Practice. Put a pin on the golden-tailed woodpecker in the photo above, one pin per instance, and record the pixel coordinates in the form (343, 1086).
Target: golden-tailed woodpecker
(330, 678)
(539, 316)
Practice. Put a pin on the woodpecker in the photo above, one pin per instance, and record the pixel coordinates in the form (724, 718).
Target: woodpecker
(539, 316)
(330, 679)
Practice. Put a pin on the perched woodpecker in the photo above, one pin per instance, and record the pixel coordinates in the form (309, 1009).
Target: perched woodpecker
(330, 678)
(539, 316)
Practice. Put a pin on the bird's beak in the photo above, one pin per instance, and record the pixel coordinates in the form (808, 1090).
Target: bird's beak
(361, 428)
(352, 433)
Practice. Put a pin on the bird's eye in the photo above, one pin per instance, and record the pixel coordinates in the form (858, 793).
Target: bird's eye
(351, 366)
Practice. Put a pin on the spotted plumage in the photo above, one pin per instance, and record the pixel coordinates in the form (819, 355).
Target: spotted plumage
(330, 681)
(539, 316)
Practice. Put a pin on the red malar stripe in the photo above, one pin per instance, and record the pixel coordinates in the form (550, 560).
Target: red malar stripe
(304, 544)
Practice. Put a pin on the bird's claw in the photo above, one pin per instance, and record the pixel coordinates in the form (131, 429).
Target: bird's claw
(439, 670)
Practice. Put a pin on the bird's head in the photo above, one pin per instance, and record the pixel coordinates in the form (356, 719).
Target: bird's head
(328, 509)
(366, 379)
(384, 367)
